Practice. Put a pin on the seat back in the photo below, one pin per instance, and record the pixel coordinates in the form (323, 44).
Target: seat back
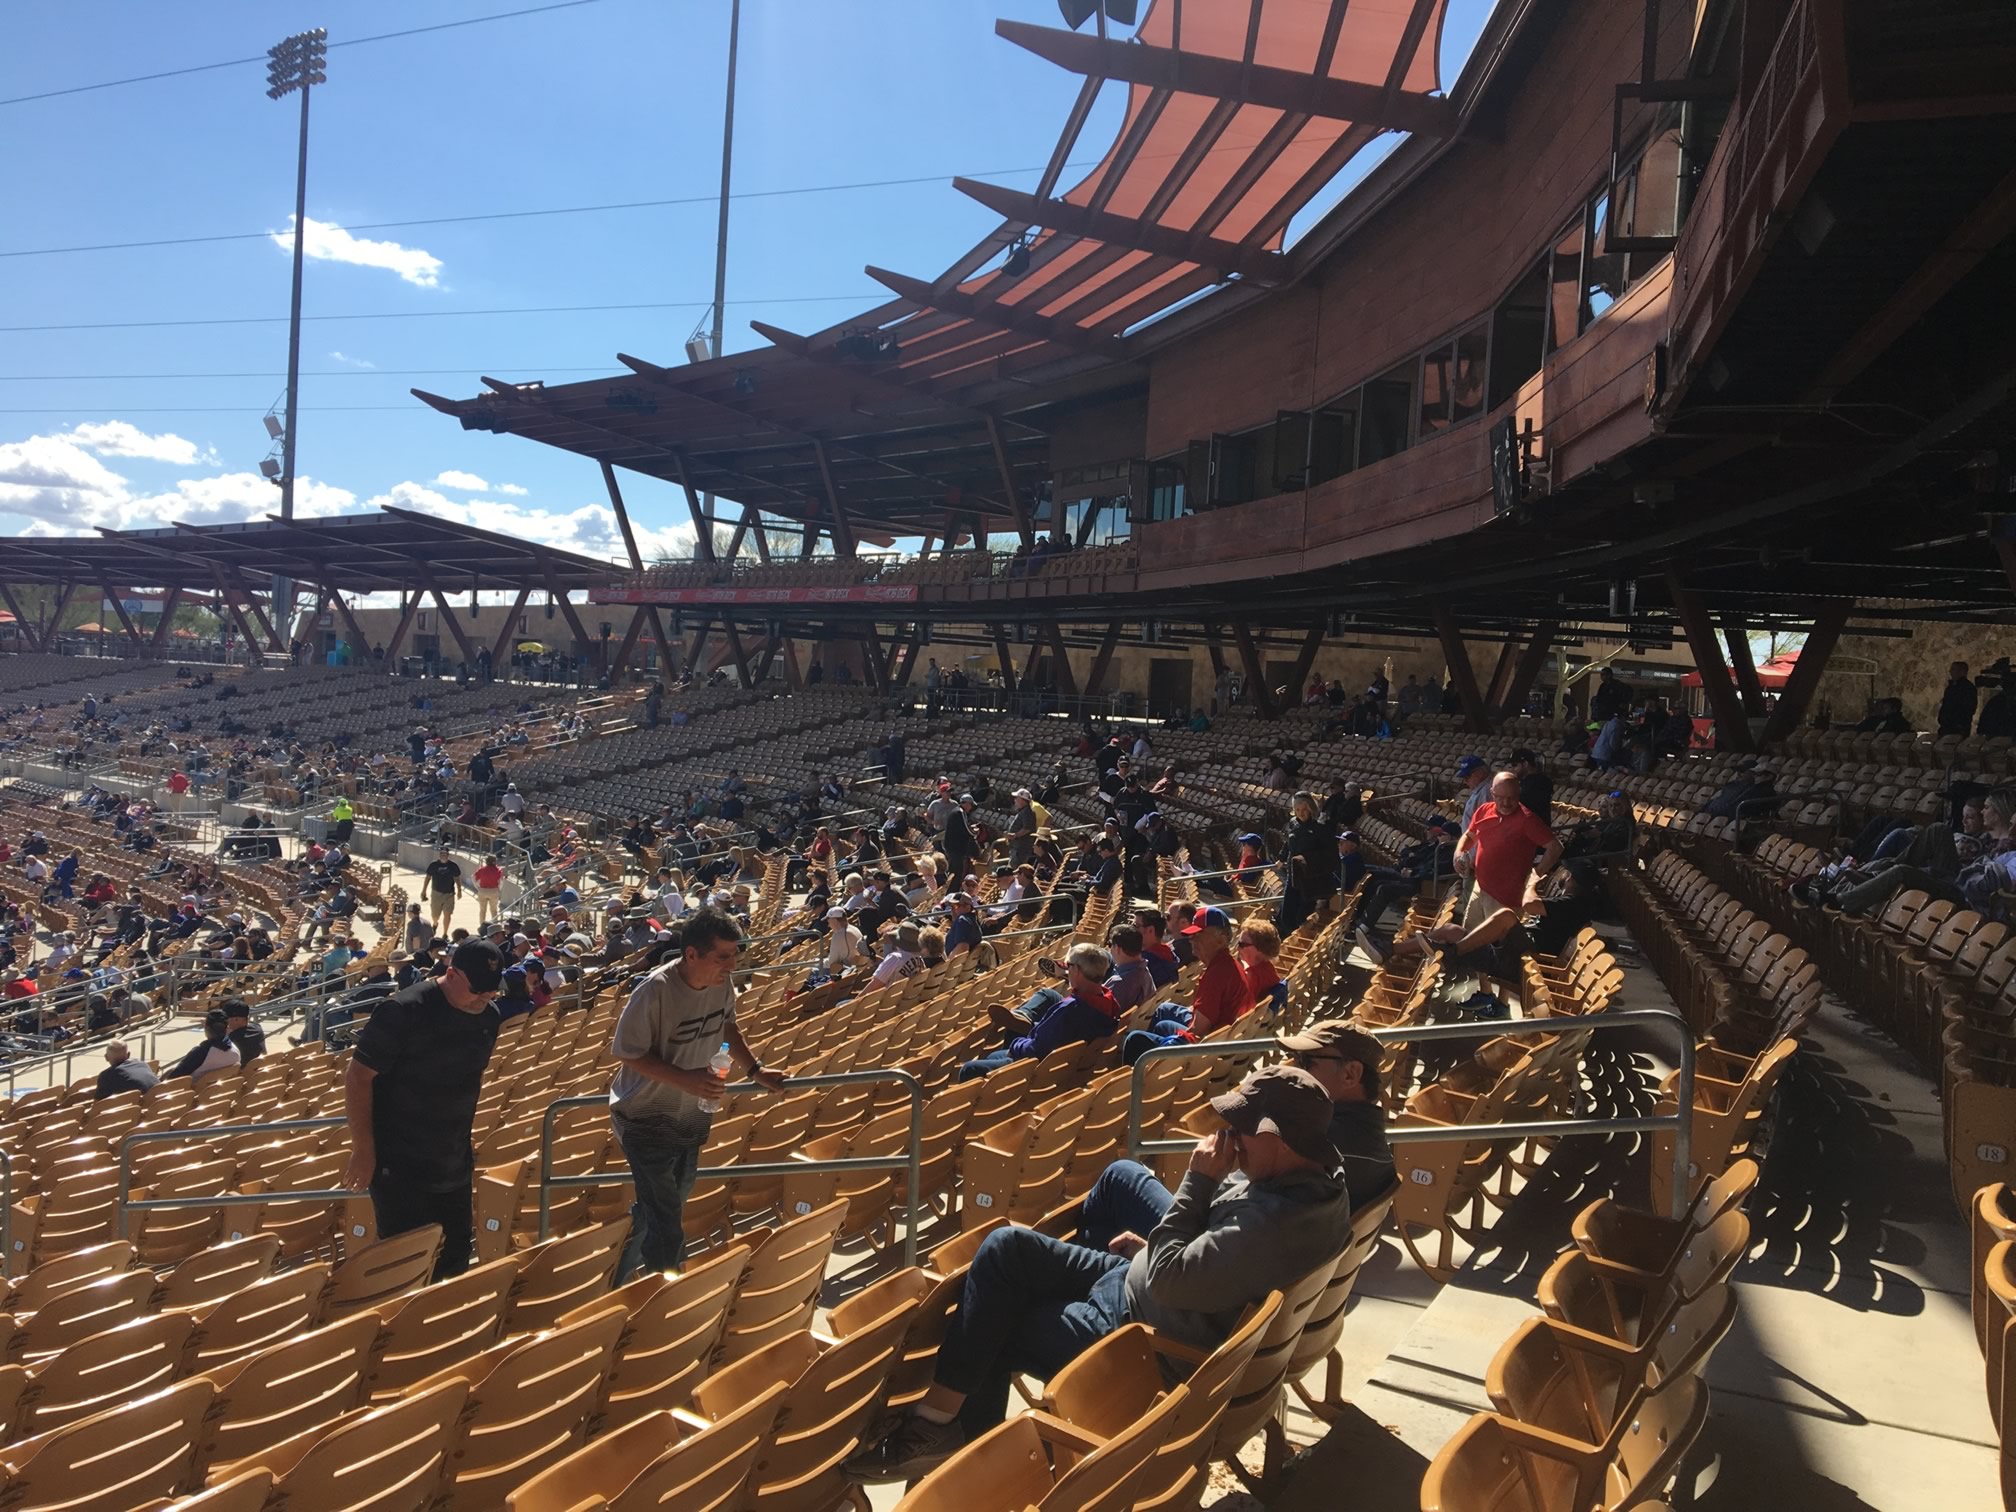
(257, 1316)
(130, 1456)
(781, 1287)
(287, 1389)
(32, 1292)
(83, 1311)
(244, 1492)
(381, 1271)
(1257, 1391)
(674, 1322)
(378, 1459)
(427, 1330)
(657, 1463)
(561, 1274)
(212, 1274)
(98, 1373)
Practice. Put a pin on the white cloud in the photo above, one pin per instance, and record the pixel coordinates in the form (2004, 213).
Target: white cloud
(348, 361)
(512, 489)
(327, 242)
(117, 438)
(463, 480)
(590, 530)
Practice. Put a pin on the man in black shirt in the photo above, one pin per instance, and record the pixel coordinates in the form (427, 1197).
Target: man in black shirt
(444, 886)
(410, 1097)
(122, 1073)
(1346, 1060)
(1536, 787)
(242, 1032)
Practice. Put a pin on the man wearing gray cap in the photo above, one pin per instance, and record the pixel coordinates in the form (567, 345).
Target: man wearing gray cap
(1216, 1245)
(1346, 1060)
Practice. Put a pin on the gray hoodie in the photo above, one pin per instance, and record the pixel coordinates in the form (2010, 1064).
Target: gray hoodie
(1225, 1244)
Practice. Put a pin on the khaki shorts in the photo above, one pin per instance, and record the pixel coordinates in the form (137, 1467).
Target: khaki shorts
(1480, 907)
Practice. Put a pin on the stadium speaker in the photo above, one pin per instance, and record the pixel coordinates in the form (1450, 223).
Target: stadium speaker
(1506, 490)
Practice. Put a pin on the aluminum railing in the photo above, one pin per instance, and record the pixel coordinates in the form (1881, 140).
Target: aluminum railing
(6, 1216)
(1679, 1121)
(128, 1204)
(908, 1162)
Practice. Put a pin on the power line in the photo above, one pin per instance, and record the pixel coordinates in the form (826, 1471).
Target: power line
(473, 367)
(875, 296)
(497, 215)
(176, 73)
(223, 409)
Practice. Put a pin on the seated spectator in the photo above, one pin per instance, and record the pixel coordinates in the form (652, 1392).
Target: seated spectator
(1255, 948)
(1222, 993)
(962, 932)
(214, 1053)
(1346, 1061)
(1130, 983)
(1886, 717)
(1156, 953)
(903, 958)
(122, 1073)
(1187, 1264)
(1051, 1019)
(243, 1030)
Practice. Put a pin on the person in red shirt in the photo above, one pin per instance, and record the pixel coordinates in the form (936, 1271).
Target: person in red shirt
(1259, 942)
(489, 879)
(1498, 849)
(178, 784)
(1222, 991)
(14, 985)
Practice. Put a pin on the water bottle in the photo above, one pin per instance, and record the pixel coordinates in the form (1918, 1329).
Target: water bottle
(722, 1062)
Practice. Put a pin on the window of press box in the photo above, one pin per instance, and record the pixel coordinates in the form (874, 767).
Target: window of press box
(1166, 489)
(1603, 271)
(1388, 415)
(1518, 335)
(1333, 438)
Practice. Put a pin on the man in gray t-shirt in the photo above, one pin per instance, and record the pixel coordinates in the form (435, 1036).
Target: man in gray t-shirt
(668, 1033)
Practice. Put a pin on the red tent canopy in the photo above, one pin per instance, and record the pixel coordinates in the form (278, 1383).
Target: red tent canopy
(1771, 674)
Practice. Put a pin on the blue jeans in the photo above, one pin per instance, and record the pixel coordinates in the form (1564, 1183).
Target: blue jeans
(664, 1163)
(1169, 1021)
(1034, 1304)
(993, 1061)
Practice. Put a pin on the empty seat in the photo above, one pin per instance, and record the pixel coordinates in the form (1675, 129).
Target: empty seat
(662, 1462)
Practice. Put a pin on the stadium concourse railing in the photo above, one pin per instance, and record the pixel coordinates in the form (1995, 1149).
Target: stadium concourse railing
(1679, 1121)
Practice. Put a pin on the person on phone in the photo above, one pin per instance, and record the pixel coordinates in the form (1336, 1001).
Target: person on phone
(665, 1090)
(1051, 1019)
(1187, 1263)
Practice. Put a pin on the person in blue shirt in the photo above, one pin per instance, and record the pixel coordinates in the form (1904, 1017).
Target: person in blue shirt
(962, 933)
(1350, 861)
(1084, 1012)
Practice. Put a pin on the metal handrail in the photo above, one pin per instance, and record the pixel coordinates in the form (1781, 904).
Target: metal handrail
(126, 1203)
(6, 1216)
(1680, 1121)
(910, 1161)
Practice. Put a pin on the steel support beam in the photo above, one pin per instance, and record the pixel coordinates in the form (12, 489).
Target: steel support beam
(161, 628)
(1527, 671)
(1067, 680)
(1732, 729)
(1748, 684)
(125, 620)
(1828, 622)
(509, 632)
(1475, 719)
(1095, 679)
(407, 609)
(1147, 236)
(1256, 670)
(1004, 655)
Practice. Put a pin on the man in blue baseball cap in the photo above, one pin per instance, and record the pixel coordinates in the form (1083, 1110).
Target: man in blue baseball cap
(1475, 775)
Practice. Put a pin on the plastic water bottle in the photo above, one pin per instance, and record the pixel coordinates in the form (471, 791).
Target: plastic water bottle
(721, 1064)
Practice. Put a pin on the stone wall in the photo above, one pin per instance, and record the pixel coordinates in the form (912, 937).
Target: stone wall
(1911, 667)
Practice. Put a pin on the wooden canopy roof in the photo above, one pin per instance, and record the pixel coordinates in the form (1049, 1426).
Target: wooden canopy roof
(1238, 114)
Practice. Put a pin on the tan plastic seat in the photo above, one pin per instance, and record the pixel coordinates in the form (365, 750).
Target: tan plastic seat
(674, 1321)
(256, 1317)
(561, 1274)
(245, 1492)
(427, 1331)
(661, 1462)
(781, 1287)
(379, 1272)
(213, 1274)
(530, 1400)
(27, 1294)
(834, 1393)
(134, 1454)
(287, 1389)
(99, 1373)
(1629, 1305)
(377, 1459)
(79, 1313)
(1608, 1230)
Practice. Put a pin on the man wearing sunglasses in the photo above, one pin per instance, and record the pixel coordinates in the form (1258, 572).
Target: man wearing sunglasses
(1345, 1061)
(410, 1099)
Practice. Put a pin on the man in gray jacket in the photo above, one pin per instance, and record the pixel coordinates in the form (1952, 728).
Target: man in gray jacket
(1188, 1263)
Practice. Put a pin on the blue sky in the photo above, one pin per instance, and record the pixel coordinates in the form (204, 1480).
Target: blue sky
(615, 100)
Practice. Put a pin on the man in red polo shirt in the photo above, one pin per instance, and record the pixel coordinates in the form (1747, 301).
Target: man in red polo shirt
(1497, 850)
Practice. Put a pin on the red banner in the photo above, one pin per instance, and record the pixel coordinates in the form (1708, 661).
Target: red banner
(856, 593)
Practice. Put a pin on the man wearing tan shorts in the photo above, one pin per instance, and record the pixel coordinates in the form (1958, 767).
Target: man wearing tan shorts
(1497, 852)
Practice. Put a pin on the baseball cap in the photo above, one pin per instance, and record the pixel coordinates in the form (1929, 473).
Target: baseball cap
(1249, 838)
(1468, 765)
(481, 964)
(954, 899)
(1286, 1101)
(836, 913)
(1339, 1037)
(1343, 835)
(1208, 918)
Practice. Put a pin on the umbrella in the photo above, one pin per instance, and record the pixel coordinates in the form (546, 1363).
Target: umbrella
(93, 628)
(532, 646)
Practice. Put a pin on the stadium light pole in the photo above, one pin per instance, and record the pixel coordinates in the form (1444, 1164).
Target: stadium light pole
(294, 65)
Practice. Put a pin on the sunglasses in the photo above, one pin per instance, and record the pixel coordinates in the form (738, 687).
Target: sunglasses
(1306, 1058)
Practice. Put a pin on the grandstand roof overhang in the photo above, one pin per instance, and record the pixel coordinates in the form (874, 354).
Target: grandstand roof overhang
(390, 551)
(1238, 116)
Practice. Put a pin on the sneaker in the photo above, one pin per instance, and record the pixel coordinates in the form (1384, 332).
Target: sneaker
(907, 1451)
(1370, 946)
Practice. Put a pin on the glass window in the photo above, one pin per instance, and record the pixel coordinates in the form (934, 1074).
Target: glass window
(1603, 272)
(1466, 373)
(1518, 335)
(1388, 415)
(1165, 493)
(1436, 368)
(1565, 298)
(1290, 465)
(1333, 439)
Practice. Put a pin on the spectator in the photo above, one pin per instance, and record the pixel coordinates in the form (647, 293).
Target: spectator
(845, 947)
(963, 933)
(243, 1031)
(1343, 805)
(99, 1014)
(1187, 1264)
(1536, 787)
(1886, 717)
(1257, 945)
(1222, 993)
(1475, 776)
(1308, 853)
(1611, 698)
(665, 1090)
(1155, 952)
(410, 1097)
(214, 1053)
(1050, 1020)
(903, 958)
(1498, 847)
(1346, 1061)
(1350, 860)
(489, 879)
(444, 886)
(1130, 983)
(418, 931)
(122, 1073)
